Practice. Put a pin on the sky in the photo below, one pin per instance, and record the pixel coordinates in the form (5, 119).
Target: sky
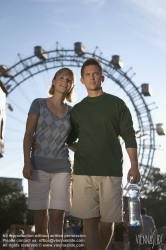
(133, 29)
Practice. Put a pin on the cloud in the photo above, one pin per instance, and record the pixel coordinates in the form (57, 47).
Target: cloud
(98, 2)
(46, 1)
(153, 21)
(156, 8)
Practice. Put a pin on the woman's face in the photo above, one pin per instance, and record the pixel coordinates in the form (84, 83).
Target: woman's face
(63, 83)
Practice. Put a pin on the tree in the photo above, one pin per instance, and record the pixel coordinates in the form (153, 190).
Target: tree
(12, 205)
(153, 195)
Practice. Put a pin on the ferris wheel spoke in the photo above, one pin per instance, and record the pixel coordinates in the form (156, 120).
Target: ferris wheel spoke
(117, 82)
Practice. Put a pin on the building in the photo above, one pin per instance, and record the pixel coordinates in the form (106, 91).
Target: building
(3, 93)
(17, 181)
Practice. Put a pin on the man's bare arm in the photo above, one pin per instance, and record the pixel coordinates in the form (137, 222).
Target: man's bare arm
(133, 174)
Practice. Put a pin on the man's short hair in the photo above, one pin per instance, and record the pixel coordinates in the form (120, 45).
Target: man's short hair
(143, 210)
(91, 61)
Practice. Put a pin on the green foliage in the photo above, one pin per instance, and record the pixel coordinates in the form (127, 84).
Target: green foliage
(155, 186)
(12, 205)
(153, 195)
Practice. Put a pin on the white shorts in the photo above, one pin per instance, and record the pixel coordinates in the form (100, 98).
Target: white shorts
(97, 196)
(49, 191)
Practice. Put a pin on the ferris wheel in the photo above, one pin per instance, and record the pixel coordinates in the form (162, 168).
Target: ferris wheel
(27, 78)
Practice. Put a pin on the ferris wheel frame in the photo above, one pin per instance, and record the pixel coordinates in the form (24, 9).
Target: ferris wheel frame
(60, 57)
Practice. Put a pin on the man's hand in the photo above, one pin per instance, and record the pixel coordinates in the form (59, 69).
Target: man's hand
(28, 171)
(34, 144)
(133, 175)
(73, 147)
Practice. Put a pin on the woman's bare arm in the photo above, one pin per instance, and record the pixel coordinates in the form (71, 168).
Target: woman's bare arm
(27, 144)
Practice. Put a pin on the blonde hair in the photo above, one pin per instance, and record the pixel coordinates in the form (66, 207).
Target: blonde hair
(65, 71)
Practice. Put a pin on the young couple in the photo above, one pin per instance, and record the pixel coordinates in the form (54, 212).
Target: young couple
(97, 122)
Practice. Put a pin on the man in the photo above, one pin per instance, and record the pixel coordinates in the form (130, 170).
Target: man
(149, 229)
(97, 122)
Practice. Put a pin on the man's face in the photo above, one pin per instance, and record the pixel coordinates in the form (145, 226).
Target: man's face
(92, 78)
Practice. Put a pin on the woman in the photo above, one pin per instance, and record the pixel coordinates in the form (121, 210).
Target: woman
(48, 168)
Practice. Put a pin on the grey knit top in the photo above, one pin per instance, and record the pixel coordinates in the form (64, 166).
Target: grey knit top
(51, 134)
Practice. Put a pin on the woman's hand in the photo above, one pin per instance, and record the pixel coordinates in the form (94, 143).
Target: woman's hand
(27, 171)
